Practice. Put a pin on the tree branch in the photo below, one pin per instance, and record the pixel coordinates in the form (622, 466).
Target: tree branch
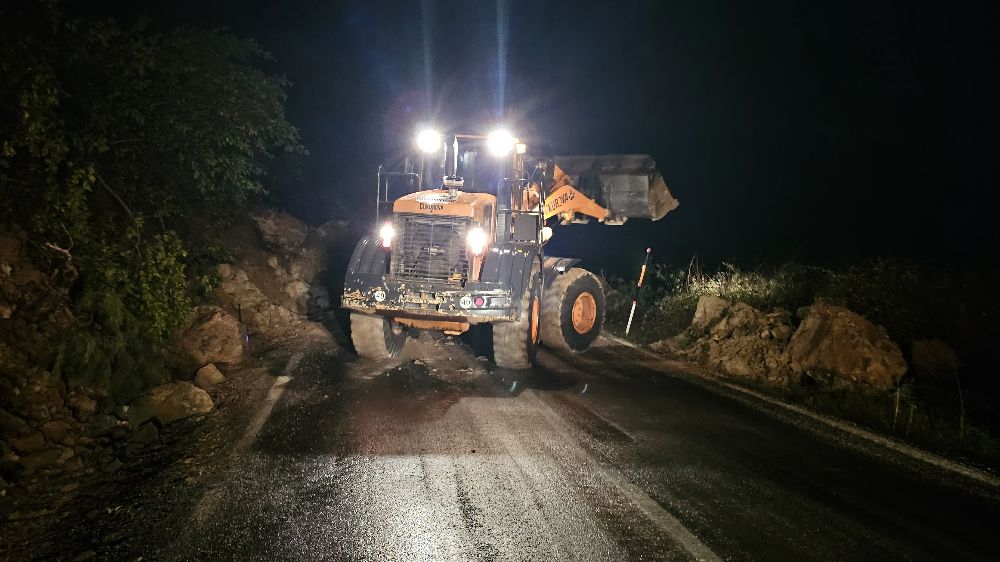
(117, 197)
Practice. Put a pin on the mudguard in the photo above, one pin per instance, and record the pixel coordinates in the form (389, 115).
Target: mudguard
(509, 265)
(368, 257)
(554, 267)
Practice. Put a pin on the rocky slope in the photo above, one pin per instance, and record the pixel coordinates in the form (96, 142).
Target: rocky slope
(270, 295)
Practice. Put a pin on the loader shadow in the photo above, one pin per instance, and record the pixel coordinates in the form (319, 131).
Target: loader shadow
(335, 411)
(334, 318)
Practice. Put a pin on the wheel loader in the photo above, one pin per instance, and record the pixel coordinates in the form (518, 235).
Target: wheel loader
(467, 248)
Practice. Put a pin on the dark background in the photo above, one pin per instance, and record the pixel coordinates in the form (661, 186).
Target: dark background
(824, 132)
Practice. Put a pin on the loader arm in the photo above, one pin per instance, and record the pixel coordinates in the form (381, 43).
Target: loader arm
(566, 200)
(611, 188)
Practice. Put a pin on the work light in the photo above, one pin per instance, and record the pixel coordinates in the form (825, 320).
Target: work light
(386, 234)
(429, 140)
(476, 240)
(500, 142)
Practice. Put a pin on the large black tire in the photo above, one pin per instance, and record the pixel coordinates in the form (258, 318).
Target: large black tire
(573, 311)
(515, 343)
(376, 337)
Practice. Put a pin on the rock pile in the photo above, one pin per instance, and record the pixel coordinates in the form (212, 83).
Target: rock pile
(840, 349)
(832, 346)
(738, 340)
(48, 429)
(275, 282)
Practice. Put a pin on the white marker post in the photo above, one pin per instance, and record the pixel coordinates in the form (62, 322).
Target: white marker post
(635, 299)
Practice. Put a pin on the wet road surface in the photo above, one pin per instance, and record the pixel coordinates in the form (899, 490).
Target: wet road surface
(601, 456)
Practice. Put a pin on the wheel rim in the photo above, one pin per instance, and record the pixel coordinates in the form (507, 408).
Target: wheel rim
(584, 313)
(534, 320)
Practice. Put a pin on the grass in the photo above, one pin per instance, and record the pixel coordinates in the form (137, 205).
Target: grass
(911, 300)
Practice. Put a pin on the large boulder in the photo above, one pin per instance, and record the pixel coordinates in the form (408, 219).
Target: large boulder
(55, 430)
(208, 376)
(262, 315)
(103, 424)
(12, 426)
(212, 336)
(934, 361)
(841, 349)
(83, 406)
(283, 258)
(45, 458)
(709, 309)
(29, 443)
(169, 403)
(281, 232)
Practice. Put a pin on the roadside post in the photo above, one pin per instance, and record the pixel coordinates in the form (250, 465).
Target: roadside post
(638, 287)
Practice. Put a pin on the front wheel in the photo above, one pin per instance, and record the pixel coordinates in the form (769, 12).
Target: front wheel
(515, 343)
(376, 337)
(573, 311)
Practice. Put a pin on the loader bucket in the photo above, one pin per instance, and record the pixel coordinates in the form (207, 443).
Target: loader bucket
(628, 185)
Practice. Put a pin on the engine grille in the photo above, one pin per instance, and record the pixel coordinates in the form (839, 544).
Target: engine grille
(430, 248)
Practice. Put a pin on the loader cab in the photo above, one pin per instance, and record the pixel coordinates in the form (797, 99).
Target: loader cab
(471, 157)
(481, 171)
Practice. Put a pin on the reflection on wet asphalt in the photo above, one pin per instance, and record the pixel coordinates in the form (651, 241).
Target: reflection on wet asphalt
(600, 456)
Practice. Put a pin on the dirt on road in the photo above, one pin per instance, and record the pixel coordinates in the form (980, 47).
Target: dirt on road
(439, 455)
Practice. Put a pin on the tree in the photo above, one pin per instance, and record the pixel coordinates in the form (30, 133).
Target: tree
(121, 146)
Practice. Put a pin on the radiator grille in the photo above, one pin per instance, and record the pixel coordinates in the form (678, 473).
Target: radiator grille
(430, 248)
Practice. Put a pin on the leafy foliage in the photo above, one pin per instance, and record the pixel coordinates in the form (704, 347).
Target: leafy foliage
(911, 300)
(126, 148)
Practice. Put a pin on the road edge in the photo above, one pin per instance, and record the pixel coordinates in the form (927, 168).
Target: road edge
(927, 457)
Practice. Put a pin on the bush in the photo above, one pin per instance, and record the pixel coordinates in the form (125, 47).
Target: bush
(910, 300)
(126, 149)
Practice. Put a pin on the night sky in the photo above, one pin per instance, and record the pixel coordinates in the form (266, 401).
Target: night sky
(825, 133)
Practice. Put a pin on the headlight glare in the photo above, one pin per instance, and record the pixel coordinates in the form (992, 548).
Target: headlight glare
(429, 140)
(386, 234)
(500, 142)
(476, 239)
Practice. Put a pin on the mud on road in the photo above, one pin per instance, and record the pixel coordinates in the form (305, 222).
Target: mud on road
(438, 455)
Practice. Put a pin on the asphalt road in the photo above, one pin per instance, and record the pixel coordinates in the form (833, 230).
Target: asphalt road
(601, 456)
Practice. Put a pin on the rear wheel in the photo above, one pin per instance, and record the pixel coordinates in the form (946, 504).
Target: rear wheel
(376, 337)
(573, 311)
(515, 343)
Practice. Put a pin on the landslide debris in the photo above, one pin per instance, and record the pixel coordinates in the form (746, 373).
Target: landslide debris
(169, 403)
(832, 347)
(212, 336)
(271, 294)
(842, 350)
(276, 284)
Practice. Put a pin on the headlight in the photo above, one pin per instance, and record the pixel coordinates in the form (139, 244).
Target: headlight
(386, 234)
(476, 239)
(429, 140)
(500, 142)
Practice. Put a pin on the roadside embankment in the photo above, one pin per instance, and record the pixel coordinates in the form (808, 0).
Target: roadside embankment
(941, 317)
(57, 426)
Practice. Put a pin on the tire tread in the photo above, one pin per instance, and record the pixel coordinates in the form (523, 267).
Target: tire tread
(372, 338)
(552, 331)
